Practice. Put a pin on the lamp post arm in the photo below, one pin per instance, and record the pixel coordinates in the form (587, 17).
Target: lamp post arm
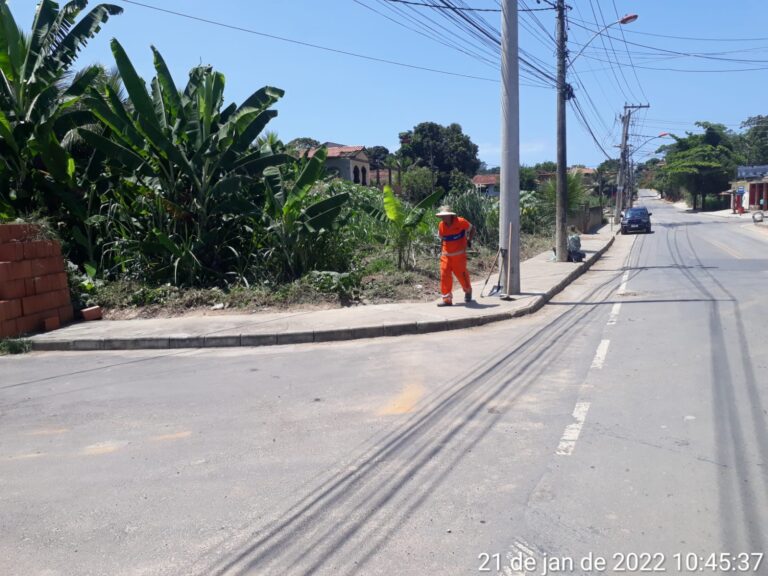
(624, 20)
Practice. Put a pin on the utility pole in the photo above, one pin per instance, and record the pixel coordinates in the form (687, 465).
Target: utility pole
(561, 202)
(509, 200)
(622, 177)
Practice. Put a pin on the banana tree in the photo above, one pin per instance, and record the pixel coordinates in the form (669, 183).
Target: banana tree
(404, 222)
(193, 155)
(37, 104)
(298, 224)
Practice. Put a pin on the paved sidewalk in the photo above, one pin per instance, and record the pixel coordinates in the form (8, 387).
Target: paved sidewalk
(541, 279)
(760, 228)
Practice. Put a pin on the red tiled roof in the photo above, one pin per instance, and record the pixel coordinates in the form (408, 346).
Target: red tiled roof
(584, 171)
(486, 179)
(340, 151)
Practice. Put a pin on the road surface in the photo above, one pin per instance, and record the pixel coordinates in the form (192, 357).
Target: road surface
(624, 423)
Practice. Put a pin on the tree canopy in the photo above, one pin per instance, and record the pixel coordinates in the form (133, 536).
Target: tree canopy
(701, 164)
(377, 156)
(442, 148)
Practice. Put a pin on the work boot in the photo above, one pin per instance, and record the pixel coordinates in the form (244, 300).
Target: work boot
(444, 303)
(468, 296)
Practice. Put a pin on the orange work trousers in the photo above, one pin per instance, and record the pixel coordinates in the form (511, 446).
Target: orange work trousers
(450, 265)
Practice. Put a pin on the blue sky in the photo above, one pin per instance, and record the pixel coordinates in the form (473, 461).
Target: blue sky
(335, 97)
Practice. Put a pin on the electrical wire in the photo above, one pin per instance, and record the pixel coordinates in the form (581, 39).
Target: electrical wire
(311, 45)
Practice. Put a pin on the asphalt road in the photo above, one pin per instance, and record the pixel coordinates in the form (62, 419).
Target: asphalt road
(624, 422)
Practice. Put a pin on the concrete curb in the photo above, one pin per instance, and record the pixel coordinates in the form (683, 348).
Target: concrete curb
(328, 335)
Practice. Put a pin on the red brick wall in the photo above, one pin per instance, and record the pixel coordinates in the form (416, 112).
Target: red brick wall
(34, 294)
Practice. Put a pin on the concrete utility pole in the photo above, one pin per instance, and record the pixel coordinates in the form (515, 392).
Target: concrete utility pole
(561, 202)
(621, 178)
(509, 200)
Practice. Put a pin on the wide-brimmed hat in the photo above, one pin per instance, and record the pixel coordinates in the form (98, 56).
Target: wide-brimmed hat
(445, 211)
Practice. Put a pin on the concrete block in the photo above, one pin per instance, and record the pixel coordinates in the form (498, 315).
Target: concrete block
(258, 339)
(222, 341)
(51, 345)
(431, 326)
(295, 337)
(86, 345)
(400, 329)
(148, 343)
(339, 334)
(187, 342)
(461, 323)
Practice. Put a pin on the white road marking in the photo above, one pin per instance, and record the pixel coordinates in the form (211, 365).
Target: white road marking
(602, 352)
(573, 431)
(614, 316)
(624, 280)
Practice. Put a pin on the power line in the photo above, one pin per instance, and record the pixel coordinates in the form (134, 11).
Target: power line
(678, 52)
(464, 9)
(425, 5)
(585, 124)
(310, 45)
(626, 47)
(430, 34)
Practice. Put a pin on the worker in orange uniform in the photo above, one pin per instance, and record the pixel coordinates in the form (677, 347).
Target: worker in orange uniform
(456, 236)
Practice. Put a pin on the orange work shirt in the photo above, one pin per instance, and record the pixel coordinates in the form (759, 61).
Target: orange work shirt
(454, 237)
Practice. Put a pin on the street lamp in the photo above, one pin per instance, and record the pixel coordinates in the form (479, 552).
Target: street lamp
(661, 135)
(627, 19)
(564, 93)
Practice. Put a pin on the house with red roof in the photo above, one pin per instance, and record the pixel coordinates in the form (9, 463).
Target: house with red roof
(487, 184)
(348, 162)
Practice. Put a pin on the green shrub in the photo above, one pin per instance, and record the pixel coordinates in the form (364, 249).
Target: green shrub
(481, 211)
(14, 346)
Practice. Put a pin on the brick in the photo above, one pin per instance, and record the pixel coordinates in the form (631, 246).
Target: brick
(66, 314)
(8, 329)
(31, 323)
(29, 286)
(12, 290)
(45, 266)
(38, 249)
(11, 232)
(55, 248)
(52, 323)
(45, 302)
(11, 252)
(5, 272)
(62, 297)
(50, 283)
(20, 270)
(92, 313)
(9, 309)
(61, 281)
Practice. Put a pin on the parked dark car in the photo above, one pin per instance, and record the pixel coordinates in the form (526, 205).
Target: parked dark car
(635, 220)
